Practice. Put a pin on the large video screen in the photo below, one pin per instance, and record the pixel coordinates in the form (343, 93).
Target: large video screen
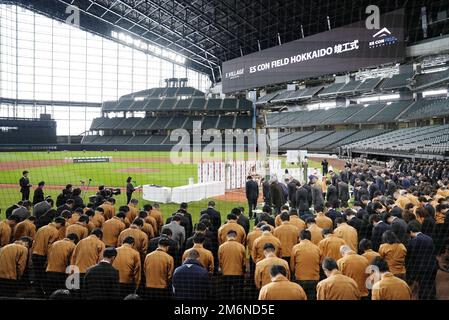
(344, 49)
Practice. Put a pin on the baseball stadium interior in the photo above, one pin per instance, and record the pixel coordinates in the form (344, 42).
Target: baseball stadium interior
(224, 150)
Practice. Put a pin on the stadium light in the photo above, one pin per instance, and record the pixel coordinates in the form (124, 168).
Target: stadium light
(431, 93)
(386, 97)
(390, 97)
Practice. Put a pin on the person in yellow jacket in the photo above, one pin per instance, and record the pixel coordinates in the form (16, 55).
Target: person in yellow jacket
(388, 287)
(13, 262)
(280, 287)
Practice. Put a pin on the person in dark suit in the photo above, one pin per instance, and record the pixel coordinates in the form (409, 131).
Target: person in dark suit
(101, 281)
(252, 194)
(420, 261)
(191, 280)
(276, 196)
(325, 166)
(129, 189)
(186, 219)
(214, 215)
(379, 227)
(266, 191)
(399, 227)
(25, 186)
(343, 191)
(292, 186)
(302, 200)
(332, 193)
(173, 247)
(317, 194)
(39, 193)
(241, 219)
(76, 197)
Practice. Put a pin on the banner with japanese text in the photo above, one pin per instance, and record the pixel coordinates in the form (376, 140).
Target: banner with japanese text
(339, 50)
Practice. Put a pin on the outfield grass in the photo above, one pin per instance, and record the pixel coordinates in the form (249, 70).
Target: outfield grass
(156, 166)
(160, 171)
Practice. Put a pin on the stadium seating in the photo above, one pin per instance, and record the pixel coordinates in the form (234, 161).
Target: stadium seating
(138, 140)
(268, 97)
(214, 104)
(230, 104)
(331, 90)
(176, 122)
(390, 112)
(397, 81)
(365, 113)
(359, 135)
(305, 140)
(349, 87)
(198, 104)
(431, 108)
(226, 122)
(369, 85)
(331, 139)
(427, 140)
(425, 80)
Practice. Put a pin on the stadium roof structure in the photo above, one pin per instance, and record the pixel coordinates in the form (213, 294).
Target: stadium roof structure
(208, 32)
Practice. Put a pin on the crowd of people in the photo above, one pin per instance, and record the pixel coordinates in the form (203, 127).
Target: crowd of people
(361, 233)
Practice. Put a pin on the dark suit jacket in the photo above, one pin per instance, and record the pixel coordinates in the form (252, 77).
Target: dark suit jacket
(38, 195)
(244, 222)
(420, 259)
(378, 231)
(215, 217)
(191, 281)
(292, 192)
(343, 192)
(102, 282)
(302, 199)
(24, 182)
(252, 190)
(276, 195)
(317, 196)
(332, 194)
(399, 227)
(173, 249)
(78, 202)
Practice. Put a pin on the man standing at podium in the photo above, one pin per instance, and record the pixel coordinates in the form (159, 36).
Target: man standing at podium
(25, 186)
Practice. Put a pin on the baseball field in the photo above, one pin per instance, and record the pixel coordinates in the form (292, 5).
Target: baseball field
(145, 167)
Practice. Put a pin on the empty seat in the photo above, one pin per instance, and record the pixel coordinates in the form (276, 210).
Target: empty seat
(183, 104)
(198, 104)
(138, 105)
(160, 123)
(144, 124)
(245, 105)
(176, 123)
(209, 122)
(242, 122)
(128, 123)
(330, 90)
(226, 122)
(213, 104)
(167, 104)
(229, 104)
(152, 104)
(138, 140)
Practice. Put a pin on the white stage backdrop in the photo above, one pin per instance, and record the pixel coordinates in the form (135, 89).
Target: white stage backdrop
(234, 173)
